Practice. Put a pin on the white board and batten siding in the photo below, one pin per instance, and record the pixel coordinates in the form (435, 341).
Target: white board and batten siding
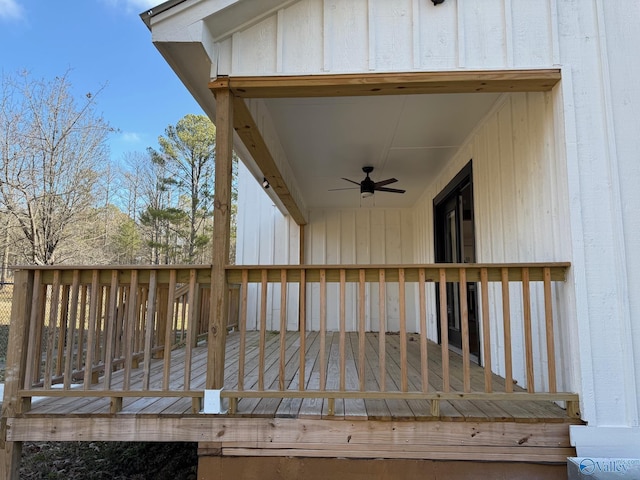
(521, 211)
(337, 36)
(582, 159)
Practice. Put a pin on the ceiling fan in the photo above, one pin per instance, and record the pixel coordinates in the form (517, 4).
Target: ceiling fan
(368, 186)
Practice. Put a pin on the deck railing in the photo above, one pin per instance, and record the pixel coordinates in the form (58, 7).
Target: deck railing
(95, 332)
(355, 285)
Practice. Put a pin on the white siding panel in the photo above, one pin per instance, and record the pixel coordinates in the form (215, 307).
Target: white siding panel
(484, 33)
(265, 237)
(346, 35)
(337, 36)
(607, 368)
(622, 30)
(393, 38)
(362, 236)
(438, 36)
(514, 173)
(531, 33)
(303, 37)
(258, 45)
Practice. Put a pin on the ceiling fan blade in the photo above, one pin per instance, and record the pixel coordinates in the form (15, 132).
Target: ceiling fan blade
(382, 183)
(392, 190)
(346, 188)
(356, 183)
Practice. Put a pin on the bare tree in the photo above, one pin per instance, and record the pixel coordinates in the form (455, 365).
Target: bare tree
(52, 151)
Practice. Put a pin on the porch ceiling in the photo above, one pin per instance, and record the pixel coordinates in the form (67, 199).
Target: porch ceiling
(408, 137)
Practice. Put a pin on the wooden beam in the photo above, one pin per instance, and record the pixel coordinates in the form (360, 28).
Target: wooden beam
(410, 83)
(221, 234)
(283, 431)
(248, 131)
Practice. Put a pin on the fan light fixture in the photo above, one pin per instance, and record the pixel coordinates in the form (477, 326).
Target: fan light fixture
(368, 187)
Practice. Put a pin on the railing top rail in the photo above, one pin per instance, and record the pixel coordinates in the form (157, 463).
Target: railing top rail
(234, 272)
(387, 266)
(536, 271)
(110, 267)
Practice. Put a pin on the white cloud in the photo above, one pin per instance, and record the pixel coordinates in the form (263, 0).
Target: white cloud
(131, 137)
(11, 9)
(142, 4)
(132, 5)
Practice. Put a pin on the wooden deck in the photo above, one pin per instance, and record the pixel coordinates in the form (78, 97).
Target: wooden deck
(314, 408)
(520, 431)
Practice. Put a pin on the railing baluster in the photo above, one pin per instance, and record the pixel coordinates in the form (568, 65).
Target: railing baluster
(382, 328)
(93, 314)
(464, 308)
(444, 329)
(263, 328)
(486, 330)
(40, 332)
(97, 356)
(342, 329)
(73, 310)
(506, 320)
(548, 315)
(302, 327)
(122, 298)
(132, 304)
(361, 328)
(323, 329)
(51, 332)
(424, 359)
(149, 328)
(81, 325)
(404, 383)
(528, 340)
(112, 316)
(169, 325)
(143, 299)
(35, 326)
(283, 327)
(62, 334)
(105, 324)
(242, 327)
(192, 316)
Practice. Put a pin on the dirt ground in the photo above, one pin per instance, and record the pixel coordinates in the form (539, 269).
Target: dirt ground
(108, 460)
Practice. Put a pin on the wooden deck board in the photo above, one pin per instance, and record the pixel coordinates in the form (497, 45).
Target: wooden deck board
(458, 410)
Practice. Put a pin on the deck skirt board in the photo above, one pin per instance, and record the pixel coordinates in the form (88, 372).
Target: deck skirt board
(438, 440)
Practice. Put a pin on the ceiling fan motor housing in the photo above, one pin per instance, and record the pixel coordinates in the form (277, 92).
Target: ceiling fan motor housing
(367, 186)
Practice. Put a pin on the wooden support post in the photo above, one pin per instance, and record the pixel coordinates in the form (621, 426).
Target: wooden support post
(196, 404)
(115, 405)
(573, 409)
(10, 452)
(435, 407)
(221, 232)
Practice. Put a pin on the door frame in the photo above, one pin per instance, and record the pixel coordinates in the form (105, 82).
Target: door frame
(464, 179)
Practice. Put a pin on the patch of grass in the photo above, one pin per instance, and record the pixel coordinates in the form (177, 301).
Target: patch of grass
(108, 460)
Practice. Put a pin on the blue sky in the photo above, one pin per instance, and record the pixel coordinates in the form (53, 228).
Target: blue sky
(101, 42)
